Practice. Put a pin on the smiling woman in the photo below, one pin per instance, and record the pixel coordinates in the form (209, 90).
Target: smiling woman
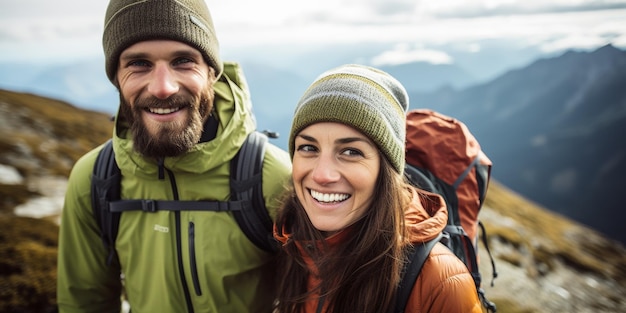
(351, 218)
(334, 173)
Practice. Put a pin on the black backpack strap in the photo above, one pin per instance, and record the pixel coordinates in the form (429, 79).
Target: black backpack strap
(151, 206)
(466, 172)
(420, 178)
(246, 184)
(105, 187)
(412, 268)
(486, 244)
(426, 180)
(490, 306)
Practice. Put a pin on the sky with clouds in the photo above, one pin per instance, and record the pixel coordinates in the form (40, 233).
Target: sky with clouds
(44, 30)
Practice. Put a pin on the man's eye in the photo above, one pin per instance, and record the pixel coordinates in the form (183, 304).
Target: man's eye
(182, 61)
(138, 63)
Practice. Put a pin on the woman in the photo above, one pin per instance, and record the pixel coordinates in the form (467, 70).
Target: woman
(351, 217)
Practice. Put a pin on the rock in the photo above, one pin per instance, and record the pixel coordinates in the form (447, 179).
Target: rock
(9, 175)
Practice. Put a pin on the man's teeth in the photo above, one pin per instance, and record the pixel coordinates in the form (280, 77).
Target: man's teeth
(329, 197)
(163, 110)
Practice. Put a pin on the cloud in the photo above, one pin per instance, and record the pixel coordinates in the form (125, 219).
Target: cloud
(44, 29)
(60, 9)
(472, 9)
(33, 21)
(586, 42)
(550, 25)
(402, 54)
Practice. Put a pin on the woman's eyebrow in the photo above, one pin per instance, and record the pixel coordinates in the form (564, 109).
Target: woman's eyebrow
(351, 140)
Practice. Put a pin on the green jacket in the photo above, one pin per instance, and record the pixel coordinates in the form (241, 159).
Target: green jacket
(170, 261)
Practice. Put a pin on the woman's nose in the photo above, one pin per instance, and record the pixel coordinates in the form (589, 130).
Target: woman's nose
(325, 171)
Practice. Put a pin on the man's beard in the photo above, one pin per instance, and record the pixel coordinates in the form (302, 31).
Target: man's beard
(173, 138)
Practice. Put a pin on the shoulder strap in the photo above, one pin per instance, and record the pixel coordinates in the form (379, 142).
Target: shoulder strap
(105, 187)
(246, 184)
(426, 180)
(489, 306)
(412, 268)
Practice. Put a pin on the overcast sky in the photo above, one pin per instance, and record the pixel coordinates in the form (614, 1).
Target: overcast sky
(34, 30)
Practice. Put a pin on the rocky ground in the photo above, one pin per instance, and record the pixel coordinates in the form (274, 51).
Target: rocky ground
(525, 285)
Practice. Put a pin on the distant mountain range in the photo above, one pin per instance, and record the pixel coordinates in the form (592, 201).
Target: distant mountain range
(555, 131)
(554, 128)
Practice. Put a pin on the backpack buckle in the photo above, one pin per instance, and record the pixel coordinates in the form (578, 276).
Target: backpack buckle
(148, 206)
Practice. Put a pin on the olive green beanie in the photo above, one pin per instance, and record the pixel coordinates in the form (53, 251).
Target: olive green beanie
(363, 97)
(130, 21)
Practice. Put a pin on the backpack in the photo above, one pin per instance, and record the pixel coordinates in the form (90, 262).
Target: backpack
(443, 157)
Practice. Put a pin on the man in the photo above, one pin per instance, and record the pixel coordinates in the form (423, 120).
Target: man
(180, 121)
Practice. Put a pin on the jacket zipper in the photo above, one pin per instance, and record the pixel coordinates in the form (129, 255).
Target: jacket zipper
(179, 252)
(181, 268)
(192, 258)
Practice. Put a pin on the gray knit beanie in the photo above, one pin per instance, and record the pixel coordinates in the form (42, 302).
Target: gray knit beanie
(130, 21)
(365, 98)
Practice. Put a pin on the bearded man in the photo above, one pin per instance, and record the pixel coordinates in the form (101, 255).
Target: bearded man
(182, 117)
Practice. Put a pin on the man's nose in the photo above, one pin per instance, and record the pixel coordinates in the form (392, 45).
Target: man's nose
(162, 82)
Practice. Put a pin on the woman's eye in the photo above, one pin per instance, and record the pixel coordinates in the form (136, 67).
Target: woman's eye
(352, 152)
(306, 148)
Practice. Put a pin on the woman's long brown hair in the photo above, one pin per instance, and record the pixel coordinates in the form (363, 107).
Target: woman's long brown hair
(360, 274)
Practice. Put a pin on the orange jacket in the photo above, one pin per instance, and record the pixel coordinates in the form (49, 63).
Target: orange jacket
(444, 284)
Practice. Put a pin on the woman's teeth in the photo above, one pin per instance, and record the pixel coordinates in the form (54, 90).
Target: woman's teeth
(329, 197)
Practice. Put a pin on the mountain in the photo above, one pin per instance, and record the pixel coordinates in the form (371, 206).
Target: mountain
(554, 131)
(545, 262)
(274, 93)
(46, 136)
(82, 83)
(424, 76)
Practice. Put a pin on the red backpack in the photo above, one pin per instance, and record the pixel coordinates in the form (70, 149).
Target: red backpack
(442, 156)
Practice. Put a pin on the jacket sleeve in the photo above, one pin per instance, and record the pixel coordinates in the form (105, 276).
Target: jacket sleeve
(444, 285)
(84, 282)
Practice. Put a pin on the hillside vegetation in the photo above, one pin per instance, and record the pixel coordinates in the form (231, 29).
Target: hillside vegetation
(46, 136)
(42, 136)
